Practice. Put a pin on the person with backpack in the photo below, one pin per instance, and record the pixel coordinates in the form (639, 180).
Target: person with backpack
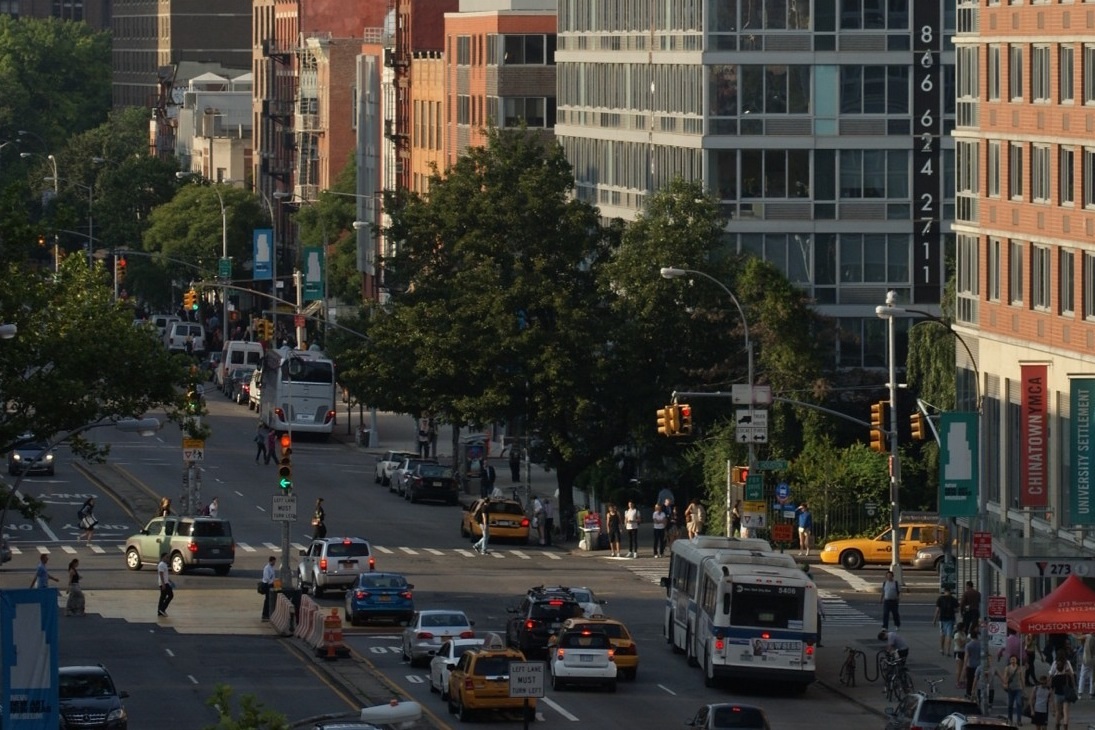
(87, 521)
(891, 597)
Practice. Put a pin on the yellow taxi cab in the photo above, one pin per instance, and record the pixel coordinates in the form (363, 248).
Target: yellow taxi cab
(508, 520)
(626, 650)
(479, 681)
(854, 553)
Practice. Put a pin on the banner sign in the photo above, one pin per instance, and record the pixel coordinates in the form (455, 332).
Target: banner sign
(959, 460)
(28, 643)
(1033, 444)
(263, 254)
(1079, 493)
(313, 273)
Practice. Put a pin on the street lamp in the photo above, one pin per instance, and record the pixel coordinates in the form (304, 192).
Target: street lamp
(182, 175)
(7, 331)
(669, 272)
(888, 311)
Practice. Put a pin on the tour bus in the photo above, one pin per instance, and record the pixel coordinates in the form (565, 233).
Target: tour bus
(740, 610)
(298, 391)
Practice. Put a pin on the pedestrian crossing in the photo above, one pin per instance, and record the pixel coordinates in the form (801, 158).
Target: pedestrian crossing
(295, 548)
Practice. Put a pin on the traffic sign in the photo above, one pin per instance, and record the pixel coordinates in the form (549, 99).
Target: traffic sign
(224, 268)
(526, 679)
(745, 394)
(193, 449)
(982, 544)
(754, 487)
(284, 508)
(998, 607)
(298, 320)
(783, 491)
(751, 418)
(783, 532)
(774, 465)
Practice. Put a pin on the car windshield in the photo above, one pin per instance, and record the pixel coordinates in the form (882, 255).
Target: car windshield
(436, 620)
(493, 666)
(508, 508)
(935, 710)
(347, 550)
(383, 581)
(209, 529)
(85, 685)
(434, 470)
(737, 717)
(555, 610)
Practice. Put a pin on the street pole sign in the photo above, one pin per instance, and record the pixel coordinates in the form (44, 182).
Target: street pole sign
(224, 268)
(193, 450)
(284, 508)
(754, 488)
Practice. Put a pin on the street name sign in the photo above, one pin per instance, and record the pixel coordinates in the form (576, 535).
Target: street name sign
(774, 465)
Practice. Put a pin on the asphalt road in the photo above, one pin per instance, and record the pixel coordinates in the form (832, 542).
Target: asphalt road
(162, 667)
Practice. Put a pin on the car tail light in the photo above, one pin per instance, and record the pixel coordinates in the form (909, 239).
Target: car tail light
(765, 635)
(405, 595)
(559, 653)
(555, 602)
(467, 634)
(361, 595)
(372, 563)
(530, 624)
(525, 522)
(612, 655)
(280, 414)
(323, 564)
(809, 650)
(329, 417)
(424, 635)
(468, 684)
(719, 644)
(192, 547)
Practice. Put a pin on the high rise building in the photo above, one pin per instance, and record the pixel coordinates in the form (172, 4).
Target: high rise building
(96, 13)
(822, 127)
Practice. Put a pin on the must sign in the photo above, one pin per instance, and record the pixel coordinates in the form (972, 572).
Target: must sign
(526, 679)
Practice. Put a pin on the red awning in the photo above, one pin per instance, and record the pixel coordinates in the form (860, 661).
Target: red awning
(1069, 609)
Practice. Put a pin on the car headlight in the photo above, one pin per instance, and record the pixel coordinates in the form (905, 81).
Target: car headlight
(116, 714)
(16, 457)
(49, 458)
(828, 548)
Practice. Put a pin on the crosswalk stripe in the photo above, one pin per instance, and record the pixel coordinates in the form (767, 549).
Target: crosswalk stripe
(434, 551)
(381, 548)
(522, 555)
(409, 551)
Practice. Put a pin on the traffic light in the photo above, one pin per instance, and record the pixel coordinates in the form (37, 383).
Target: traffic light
(919, 426)
(265, 329)
(285, 465)
(685, 412)
(665, 421)
(738, 474)
(41, 240)
(190, 300)
(878, 427)
(193, 401)
(119, 268)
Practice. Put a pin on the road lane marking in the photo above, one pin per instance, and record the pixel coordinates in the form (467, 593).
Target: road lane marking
(663, 688)
(435, 551)
(522, 555)
(382, 549)
(409, 551)
(558, 708)
(854, 581)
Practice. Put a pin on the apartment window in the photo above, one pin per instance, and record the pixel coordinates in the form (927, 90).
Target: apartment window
(1066, 59)
(1089, 74)
(1089, 285)
(994, 169)
(874, 174)
(857, 14)
(1039, 73)
(994, 73)
(534, 111)
(463, 109)
(874, 258)
(874, 89)
(1039, 277)
(967, 276)
(776, 89)
(1067, 173)
(995, 262)
(1015, 272)
(1039, 173)
(528, 50)
(463, 50)
(1015, 73)
(1066, 280)
(1089, 177)
(775, 173)
(1015, 171)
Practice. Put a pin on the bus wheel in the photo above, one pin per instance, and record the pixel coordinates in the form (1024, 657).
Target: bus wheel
(708, 672)
(688, 653)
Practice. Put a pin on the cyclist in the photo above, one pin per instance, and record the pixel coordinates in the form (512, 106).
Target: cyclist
(895, 643)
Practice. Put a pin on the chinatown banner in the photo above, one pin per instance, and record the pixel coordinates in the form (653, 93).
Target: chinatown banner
(1033, 438)
(1081, 411)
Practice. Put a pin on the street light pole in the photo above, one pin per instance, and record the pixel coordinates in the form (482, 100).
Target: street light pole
(668, 272)
(181, 175)
(888, 312)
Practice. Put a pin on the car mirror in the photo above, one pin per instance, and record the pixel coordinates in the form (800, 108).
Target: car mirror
(664, 582)
(410, 586)
(471, 623)
(144, 531)
(123, 694)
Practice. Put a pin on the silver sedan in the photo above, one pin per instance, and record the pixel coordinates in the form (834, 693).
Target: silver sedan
(428, 630)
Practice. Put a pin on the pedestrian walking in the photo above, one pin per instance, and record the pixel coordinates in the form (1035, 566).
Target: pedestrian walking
(660, 521)
(972, 662)
(483, 546)
(514, 463)
(1087, 665)
(632, 519)
(41, 573)
(319, 521)
(74, 606)
(695, 516)
(672, 522)
(1030, 659)
(538, 517)
(946, 611)
(959, 642)
(423, 439)
(806, 530)
(269, 574)
(891, 599)
(1041, 703)
(979, 679)
(735, 519)
(549, 520)
(261, 434)
(271, 445)
(165, 507)
(1011, 678)
(1062, 680)
(486, 479)
(970, 606)
(167, 588)
(613, 524)
(87, 520)
(431, 437)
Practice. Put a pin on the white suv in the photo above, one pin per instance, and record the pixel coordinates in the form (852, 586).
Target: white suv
(583, 656)
(334, 563)
(388, 463)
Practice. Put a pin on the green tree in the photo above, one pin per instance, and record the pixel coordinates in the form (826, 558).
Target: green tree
(329, 223)
(252, 715)
(77, 358)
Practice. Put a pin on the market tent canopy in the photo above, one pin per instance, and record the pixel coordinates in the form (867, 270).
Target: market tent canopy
(1070, 609)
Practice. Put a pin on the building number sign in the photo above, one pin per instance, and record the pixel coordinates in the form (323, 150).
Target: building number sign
(927, 130)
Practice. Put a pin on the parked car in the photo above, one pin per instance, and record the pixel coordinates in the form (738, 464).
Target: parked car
(90, 700)
(254, 391)
(31, 456)
(582, 656)
(445, 659)
(923, 711)
(239, 384)
(958, 721)
(730, 716)
(429, 629)
(190, 542)
(390, 714)
(400, 474)
(854, 553)
(508, 521)
(480, 682)
(388, 463)
(379, 596)
(333, 563)
(434, 482)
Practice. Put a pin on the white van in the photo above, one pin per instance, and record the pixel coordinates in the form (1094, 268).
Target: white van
(235, 355)
(162, 322)
(179, 332)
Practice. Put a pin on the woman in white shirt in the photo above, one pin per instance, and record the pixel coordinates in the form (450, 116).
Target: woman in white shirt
(631, 524)
(660, 521)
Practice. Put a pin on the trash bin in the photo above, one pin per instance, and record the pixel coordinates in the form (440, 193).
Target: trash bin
(590, 538)
(364, 436)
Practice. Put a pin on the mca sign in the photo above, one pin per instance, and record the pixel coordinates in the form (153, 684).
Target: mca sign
(28, 640)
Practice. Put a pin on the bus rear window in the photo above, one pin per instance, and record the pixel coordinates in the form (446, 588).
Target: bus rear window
(775, 607)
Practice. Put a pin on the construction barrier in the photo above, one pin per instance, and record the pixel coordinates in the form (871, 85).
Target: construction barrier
(314, 635)
(306, 618)
(332, 646)
(282, 617)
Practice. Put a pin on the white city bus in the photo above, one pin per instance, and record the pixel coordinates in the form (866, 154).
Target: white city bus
(298, 391)
(740, 610)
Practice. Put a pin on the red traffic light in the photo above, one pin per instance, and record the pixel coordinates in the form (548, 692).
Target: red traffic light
(286, 441)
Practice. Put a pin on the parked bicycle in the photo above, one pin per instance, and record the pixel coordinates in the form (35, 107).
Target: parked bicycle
(933, 683)
(895, 675)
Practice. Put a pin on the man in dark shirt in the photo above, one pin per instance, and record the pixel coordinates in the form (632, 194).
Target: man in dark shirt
(946, 610)
(971, 607)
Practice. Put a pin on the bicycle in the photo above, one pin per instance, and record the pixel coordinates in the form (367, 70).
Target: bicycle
(933, 683)
(897, 678)
(847, 667)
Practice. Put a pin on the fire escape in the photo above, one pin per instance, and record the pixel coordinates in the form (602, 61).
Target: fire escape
(400, 132)
(278, 108)
(307, 126)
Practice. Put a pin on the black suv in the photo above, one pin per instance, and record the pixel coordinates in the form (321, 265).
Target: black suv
(924, 711)
(539, 615)
(89, 699)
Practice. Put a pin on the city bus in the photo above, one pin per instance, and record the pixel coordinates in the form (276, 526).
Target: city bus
(298, 391)
(740, 610)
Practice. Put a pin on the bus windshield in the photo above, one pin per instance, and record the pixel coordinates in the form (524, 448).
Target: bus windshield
(306, 371)
(766, 606)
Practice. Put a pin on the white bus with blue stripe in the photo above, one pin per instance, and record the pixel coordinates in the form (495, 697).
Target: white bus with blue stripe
(739, 610)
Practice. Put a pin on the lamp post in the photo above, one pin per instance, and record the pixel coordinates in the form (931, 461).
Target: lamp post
(668, 272)
(888, 311)
(182, 175)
